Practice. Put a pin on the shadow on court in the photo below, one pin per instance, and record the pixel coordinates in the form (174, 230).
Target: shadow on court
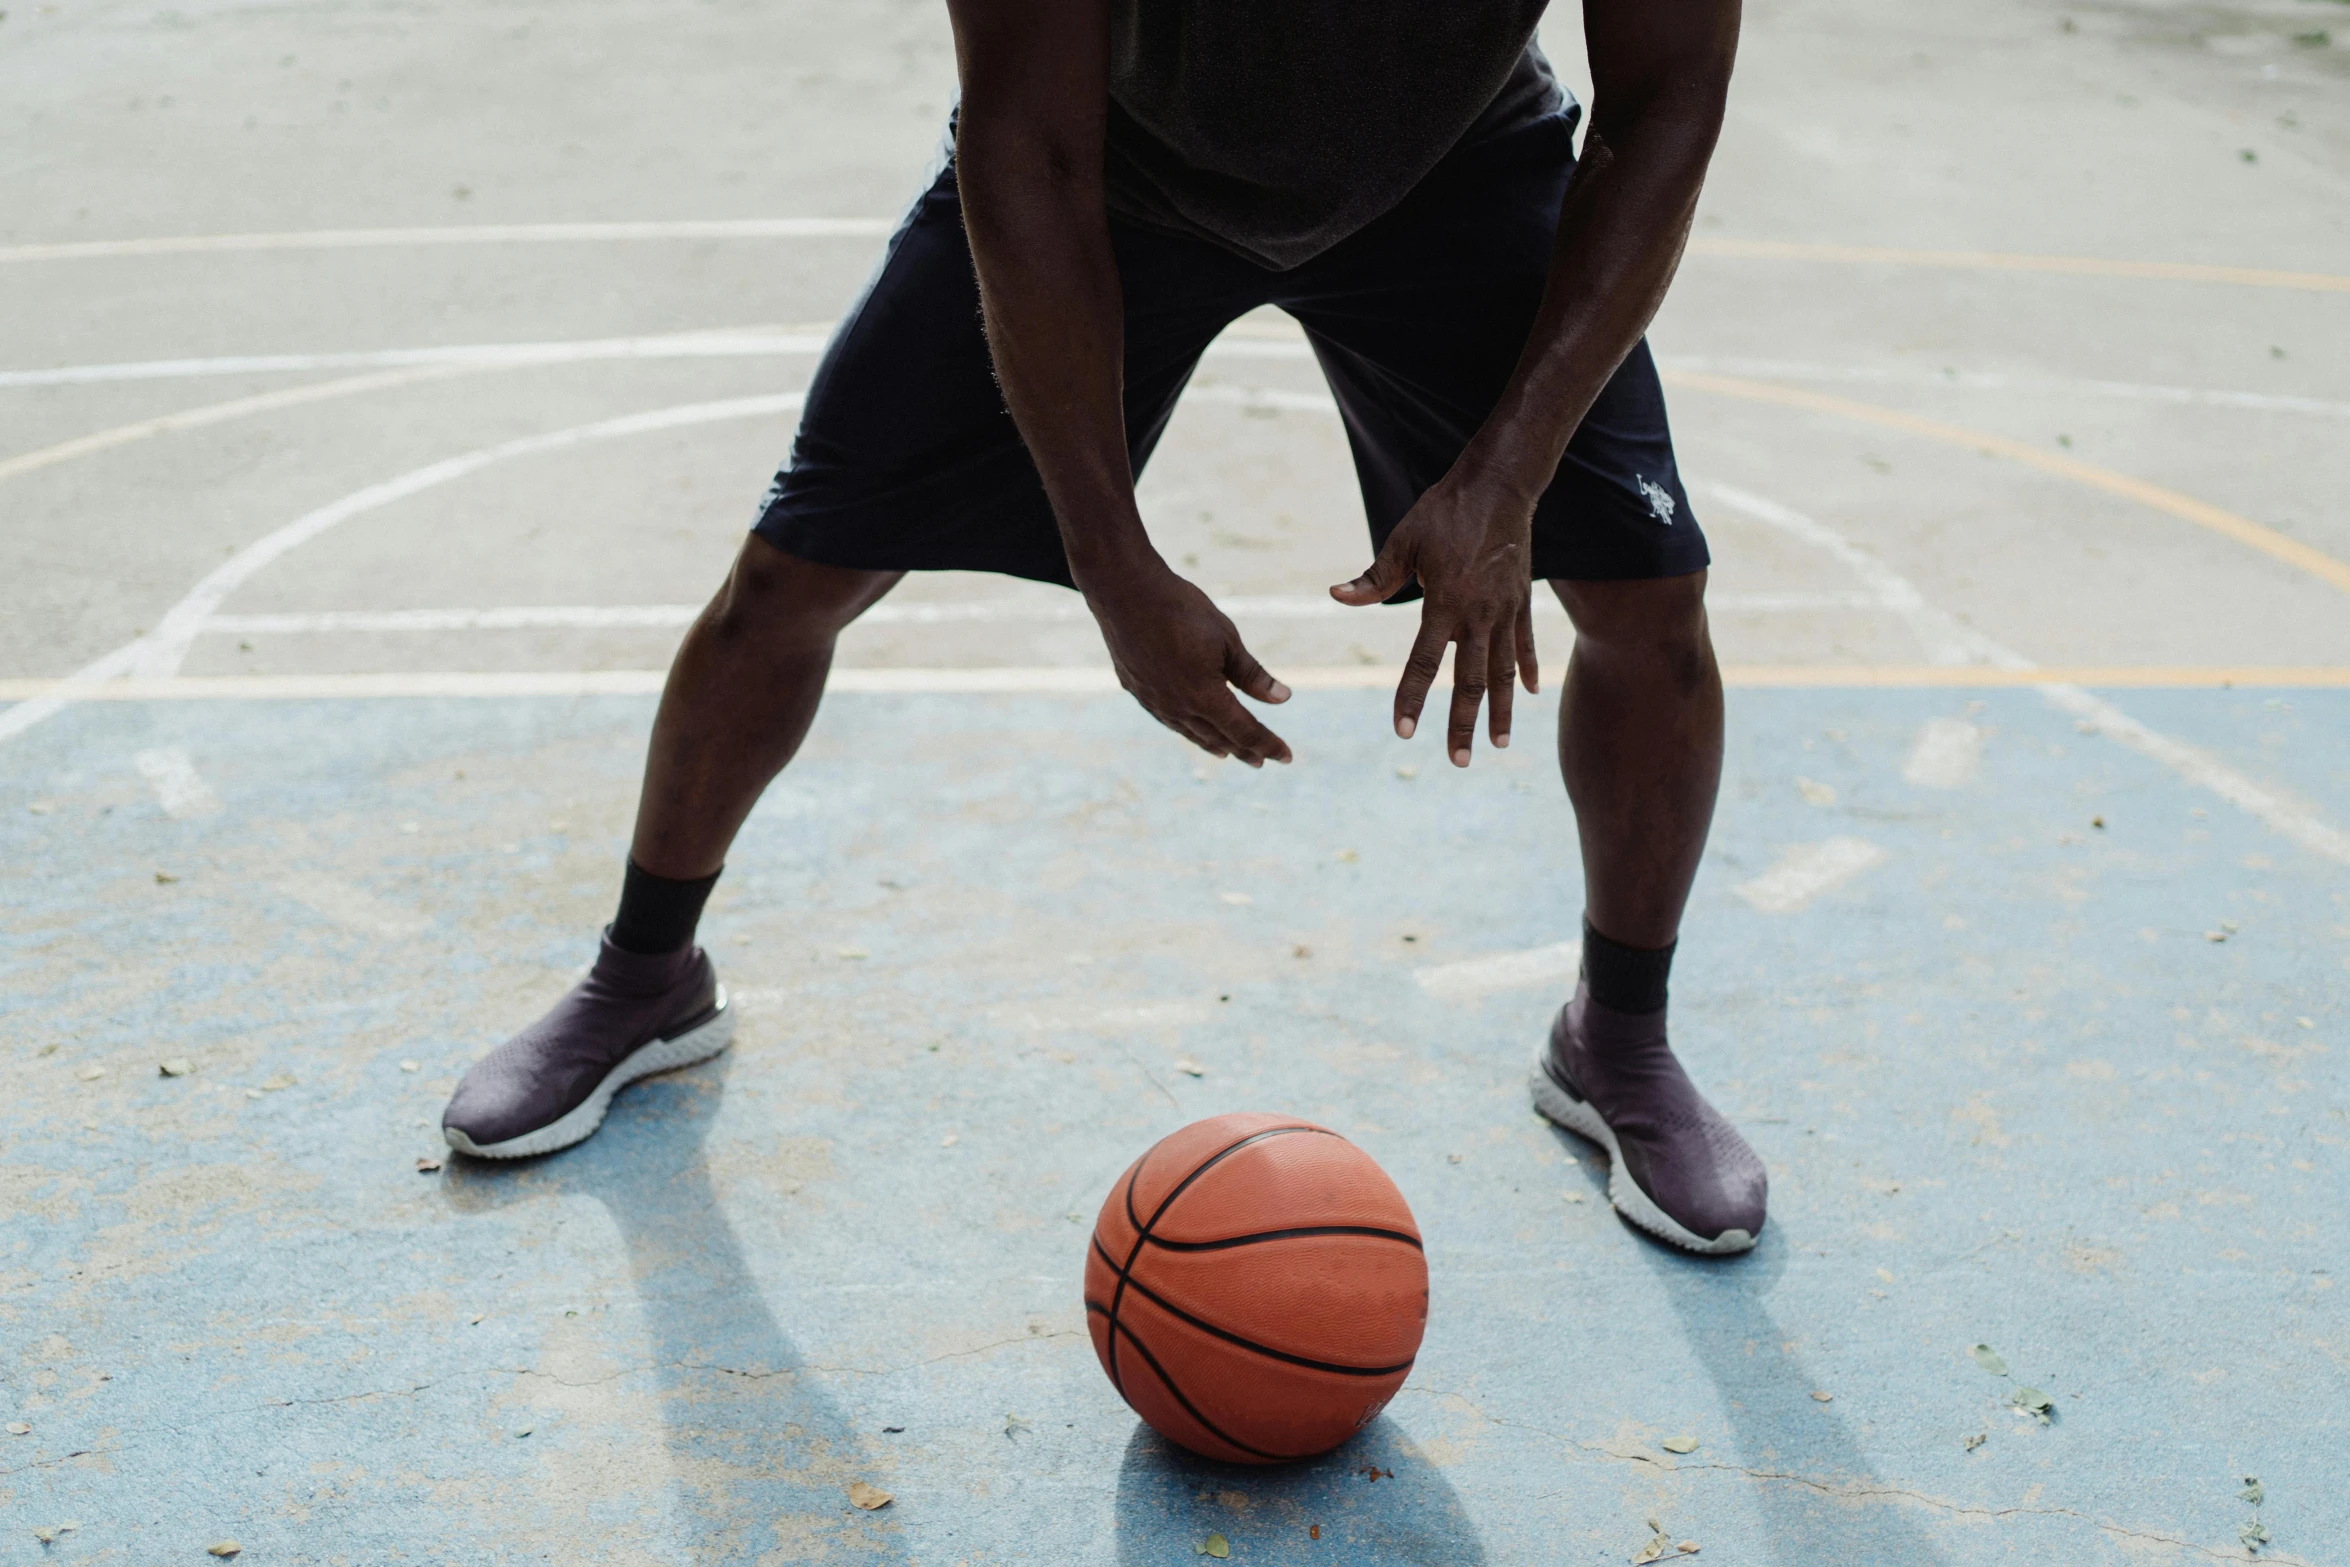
(758, 1456)
(1809, 1473)
(1170, 1501)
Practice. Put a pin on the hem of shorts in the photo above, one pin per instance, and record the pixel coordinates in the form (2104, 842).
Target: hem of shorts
(820, 548)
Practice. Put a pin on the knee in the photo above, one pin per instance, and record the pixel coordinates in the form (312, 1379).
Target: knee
(773, 596)
(1659, 621)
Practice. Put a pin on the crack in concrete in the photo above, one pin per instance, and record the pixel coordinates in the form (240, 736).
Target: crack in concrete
(138, 1436)
(1852, 1491)
(781, 1371)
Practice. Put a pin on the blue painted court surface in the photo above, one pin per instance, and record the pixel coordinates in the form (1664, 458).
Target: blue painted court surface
(2010, 1088)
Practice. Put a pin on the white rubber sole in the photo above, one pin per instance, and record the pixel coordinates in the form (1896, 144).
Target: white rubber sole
(661, 1055)
(1561, 1108)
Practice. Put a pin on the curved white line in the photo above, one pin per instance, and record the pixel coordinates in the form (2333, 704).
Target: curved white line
(718, 343)
(479, 234)
(1948, 641)
(164, 649)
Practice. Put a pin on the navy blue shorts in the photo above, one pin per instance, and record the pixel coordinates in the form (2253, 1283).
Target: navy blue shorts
(907, 460)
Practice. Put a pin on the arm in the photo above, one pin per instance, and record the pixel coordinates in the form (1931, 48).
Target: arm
(1661, 72)
(1029, 164)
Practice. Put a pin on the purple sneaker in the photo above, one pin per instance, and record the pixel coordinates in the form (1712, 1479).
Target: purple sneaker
(549, 1086)
(1677, 1168)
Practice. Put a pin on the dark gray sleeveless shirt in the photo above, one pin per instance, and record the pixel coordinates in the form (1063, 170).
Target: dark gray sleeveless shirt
(1276, 128)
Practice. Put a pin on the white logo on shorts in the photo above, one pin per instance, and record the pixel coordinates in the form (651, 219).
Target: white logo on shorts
(1660, 501)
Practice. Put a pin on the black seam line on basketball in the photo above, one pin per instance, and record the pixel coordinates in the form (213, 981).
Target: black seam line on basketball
(1168, 1382)
(1173, 1310)
(1374, 1231)
(1142, 1231)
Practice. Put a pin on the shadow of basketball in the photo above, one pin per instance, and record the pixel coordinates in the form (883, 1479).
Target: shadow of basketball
(757, 1455)
(1170, 1501)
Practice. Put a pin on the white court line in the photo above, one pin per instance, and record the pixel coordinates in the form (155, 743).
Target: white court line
(179, 788)
(1947, 755)
(600, 617)
(1948, 641)
(160, 652)
(1264, 342)
(1501, 971)
(1803, 873)
(481, 234)
(716, 343)
(1995, 381)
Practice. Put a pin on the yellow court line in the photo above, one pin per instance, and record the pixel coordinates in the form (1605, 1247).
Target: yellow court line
(217, 413)
(1089, 679)
(2004, 261)
(2170, 502)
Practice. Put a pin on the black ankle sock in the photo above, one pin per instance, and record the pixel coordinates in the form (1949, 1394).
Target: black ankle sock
(1626, 979)
(658, 915)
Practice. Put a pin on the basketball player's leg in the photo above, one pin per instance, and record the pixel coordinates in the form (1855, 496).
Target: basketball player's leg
(740, 695)
(1640, 747)
(905, 460)
(1418, 322)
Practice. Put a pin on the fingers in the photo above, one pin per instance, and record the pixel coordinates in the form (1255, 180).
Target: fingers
(1501, 665)
(1249, 740)
(1386, 577)
(1245, 672)
(1419, 673)
(1469, 674)
(1529, 667)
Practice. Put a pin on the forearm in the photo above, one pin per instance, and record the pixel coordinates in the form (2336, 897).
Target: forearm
(1622, 227)
(1050, 296)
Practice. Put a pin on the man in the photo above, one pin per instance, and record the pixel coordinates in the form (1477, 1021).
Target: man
(1127, 177)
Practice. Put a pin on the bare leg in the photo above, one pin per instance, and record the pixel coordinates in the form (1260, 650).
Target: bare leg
(740, 697)
(1640, 744)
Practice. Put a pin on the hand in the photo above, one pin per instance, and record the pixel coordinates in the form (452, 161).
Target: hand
(1472, 552)
(1179, 656)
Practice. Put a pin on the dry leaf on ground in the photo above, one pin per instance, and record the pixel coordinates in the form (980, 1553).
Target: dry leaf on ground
(1823, 1398)
(870, 1497)
(1190, 1068)
(177, 1066)
(1651, 1551)
(1215, 1545)
(1679, 1444)
(19, 1428)
(282, 1080)
(223, 1548)
(1977, 1440)
(427, 1166)
(1989, 1359)
(91, 1074)
(1687, 1547)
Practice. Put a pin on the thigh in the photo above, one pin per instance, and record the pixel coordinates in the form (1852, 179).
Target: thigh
(906, 457)
(1418, 323)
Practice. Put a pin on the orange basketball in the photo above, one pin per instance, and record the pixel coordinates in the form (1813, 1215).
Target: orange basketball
(1256, 1288)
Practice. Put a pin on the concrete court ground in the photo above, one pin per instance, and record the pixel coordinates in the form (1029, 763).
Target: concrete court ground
(338, 569)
